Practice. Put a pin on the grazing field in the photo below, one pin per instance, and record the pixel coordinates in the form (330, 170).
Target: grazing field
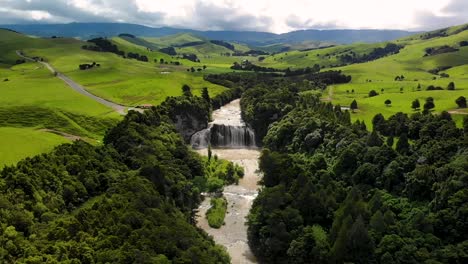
(380, 74)
(125, 81)
(33, 99)
(18, 143)
(33, 104)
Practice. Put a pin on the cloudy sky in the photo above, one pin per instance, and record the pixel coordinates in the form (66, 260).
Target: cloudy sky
(266, 15)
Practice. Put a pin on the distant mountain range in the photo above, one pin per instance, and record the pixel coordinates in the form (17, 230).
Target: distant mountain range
(89, 30)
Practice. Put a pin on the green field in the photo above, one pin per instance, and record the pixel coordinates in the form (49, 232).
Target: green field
(18, 143)
(125, 81)
(380, 74)
(33, 99)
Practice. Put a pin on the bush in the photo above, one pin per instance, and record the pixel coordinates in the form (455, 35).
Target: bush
(373, 93)
(451, 86)
(433, 88)
(215, 215)
(461, 102)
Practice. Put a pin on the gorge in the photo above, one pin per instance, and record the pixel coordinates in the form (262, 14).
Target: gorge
(234, 141)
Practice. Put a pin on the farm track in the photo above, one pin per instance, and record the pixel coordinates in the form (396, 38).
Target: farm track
(121, 109)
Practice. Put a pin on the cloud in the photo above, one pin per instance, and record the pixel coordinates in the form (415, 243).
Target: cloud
(297, 23)
(78, 11)
(211, 16)
(257, 15)
(454, 13)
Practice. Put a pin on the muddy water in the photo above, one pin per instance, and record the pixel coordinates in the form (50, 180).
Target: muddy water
(233, 235)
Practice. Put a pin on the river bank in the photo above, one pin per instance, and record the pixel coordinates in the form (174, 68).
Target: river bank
(233, 234)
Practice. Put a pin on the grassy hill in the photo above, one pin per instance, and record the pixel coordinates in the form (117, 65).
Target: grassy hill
(209, 53)
(38, 111)
(34, 101)
(411, 62)
(173, 40)
(125, 81)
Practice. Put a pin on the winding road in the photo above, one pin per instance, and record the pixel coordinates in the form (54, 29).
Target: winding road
(80, 89)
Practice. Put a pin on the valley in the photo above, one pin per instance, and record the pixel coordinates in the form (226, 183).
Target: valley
(233, 233)
(189, 146)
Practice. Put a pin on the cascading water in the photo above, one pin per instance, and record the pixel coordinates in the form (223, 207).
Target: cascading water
(224, 136)
(232, 140)
(226, 131)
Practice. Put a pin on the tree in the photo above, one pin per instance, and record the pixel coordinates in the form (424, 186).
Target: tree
(451, 86)
(402, 145)
(373, 93)
(388, 102)
(374, 139)
(390, 141)
(354, 105)
(401, 90)
(415, 105)
(419, 87)
(377, 222)
(379, 124)
(461, 102)
(210, 153)
(429, 104)
(187, 91)
(206, 95)
(382, 90)
(360, 245)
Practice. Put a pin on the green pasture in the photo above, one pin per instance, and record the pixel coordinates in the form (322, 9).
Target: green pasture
(124, 81)
(18, 143)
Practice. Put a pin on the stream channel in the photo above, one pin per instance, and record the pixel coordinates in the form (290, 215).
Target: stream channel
(231, 139)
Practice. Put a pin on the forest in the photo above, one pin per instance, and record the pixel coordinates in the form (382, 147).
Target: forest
(335, 192)
(131, 200)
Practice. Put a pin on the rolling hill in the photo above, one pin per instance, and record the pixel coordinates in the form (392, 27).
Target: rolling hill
(447, 63)
(90, 30)
(36, 104)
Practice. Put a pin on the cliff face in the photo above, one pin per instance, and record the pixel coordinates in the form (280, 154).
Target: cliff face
(188, 113)
(188, 124)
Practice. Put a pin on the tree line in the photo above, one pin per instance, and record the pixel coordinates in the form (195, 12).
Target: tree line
(336, 192)
(130, 200)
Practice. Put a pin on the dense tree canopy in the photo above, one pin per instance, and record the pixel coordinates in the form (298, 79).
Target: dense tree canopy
(334, 192)
(131, 200)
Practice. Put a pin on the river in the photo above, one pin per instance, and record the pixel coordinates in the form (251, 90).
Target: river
(233, 235)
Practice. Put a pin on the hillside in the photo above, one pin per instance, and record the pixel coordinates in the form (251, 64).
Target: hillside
(37, 104)
(89, 30)
(411, 62)
(39, 111)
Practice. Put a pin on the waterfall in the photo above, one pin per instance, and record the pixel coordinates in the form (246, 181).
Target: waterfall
(227, 130)
(224, 136)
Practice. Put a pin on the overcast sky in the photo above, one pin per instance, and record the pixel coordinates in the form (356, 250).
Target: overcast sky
(263, 15)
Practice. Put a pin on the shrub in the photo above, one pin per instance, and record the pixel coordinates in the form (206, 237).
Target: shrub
(373, 93)
(461, 102)
(215, 215)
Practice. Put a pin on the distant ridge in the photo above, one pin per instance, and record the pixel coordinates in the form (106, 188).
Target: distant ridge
(90, 30)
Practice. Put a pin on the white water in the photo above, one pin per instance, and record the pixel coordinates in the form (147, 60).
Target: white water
(227, 130)
(233, 235)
